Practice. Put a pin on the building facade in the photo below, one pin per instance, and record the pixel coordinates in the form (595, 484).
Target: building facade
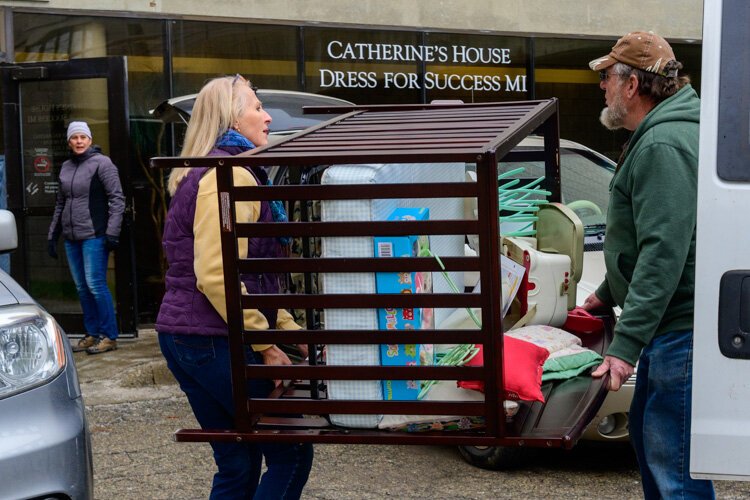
(368, 52)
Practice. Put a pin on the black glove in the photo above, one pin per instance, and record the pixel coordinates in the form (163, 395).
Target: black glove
(52, 248)
(112, 242)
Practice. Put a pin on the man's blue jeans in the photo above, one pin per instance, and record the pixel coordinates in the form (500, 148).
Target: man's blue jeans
(201, 366)
(660, 419)
(88, 265)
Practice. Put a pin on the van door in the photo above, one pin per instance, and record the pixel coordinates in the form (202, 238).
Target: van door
(721, 369)
(39, 99)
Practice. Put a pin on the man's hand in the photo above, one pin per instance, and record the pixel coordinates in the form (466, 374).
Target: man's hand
(303, 350)
(275, 356)
(593, 303)
(619, 371)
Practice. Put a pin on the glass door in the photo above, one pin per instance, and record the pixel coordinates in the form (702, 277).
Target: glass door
(40, 99)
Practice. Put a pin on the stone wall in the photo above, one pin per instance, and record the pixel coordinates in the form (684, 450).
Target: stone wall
(599, 18)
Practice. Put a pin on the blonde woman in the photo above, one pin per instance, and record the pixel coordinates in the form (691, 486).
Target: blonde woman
(227, 119)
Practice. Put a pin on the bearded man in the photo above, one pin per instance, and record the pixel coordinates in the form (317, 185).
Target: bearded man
(649, 253)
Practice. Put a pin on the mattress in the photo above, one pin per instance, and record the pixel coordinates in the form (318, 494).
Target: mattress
(358, 283)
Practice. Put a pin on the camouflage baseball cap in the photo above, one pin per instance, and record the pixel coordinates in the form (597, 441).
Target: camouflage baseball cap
(640, 49)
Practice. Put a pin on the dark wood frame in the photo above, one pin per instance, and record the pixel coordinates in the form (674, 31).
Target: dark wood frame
(471, 133)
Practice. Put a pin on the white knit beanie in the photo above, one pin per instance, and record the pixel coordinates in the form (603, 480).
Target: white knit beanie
(78, 128)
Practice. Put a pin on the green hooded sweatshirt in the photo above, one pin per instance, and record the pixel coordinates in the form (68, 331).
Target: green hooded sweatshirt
(649, 250)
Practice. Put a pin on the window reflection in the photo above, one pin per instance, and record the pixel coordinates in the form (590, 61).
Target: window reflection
(267, 55)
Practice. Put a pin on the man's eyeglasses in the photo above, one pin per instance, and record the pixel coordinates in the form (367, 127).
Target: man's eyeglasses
(238, 77)
(604, 75)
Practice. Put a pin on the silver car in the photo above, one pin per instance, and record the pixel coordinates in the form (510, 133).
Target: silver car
(284, 106)
(45, 448)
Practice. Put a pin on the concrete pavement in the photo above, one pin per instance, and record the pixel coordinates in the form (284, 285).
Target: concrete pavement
(134, 406)
(136, 371)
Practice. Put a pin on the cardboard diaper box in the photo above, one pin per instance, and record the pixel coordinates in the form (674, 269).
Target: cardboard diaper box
(404, 355)
(404, 318)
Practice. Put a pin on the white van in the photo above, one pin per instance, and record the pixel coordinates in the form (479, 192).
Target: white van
(721, 366)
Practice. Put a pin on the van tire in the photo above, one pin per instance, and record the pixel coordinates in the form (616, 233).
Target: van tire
(495, 457)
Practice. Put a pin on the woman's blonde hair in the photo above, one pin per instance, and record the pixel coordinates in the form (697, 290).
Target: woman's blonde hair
(216, 109)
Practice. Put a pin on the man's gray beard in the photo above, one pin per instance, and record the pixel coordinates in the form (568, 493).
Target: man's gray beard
(613, 118)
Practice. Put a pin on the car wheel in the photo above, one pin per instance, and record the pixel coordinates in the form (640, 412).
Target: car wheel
(495, 457)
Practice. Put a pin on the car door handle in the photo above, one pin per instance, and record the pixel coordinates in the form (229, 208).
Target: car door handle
(734, 314)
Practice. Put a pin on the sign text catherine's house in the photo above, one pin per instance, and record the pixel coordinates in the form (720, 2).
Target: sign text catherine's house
(449, 56)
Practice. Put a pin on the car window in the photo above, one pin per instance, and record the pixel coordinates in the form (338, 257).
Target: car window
(286, 110)
(585, 185)
(584, 177)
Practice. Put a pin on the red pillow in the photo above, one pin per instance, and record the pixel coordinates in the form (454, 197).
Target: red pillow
(523, 370)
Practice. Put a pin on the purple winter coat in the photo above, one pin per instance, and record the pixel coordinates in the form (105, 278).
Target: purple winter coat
(184, 309)
(89, 202)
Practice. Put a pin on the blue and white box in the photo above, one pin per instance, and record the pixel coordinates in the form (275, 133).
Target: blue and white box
(397, 318)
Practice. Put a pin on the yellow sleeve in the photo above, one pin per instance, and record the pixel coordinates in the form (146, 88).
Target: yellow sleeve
(285, 321)
(208, 263)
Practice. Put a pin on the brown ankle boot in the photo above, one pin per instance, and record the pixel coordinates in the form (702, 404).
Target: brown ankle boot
(85, 343)
(104, 345)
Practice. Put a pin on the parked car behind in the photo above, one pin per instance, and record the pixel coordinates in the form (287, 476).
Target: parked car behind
(45, 448)
(284, 106)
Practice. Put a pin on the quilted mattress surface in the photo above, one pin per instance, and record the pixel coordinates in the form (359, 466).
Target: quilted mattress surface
(366, 210)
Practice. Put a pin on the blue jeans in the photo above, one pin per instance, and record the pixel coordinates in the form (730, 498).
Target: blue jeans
(660, 419)
(88, 265)
(201, 366)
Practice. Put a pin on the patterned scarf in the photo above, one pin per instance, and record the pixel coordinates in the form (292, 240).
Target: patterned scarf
(235, 143)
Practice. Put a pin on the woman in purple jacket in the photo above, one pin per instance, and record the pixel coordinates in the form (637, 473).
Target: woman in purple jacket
(227, 119)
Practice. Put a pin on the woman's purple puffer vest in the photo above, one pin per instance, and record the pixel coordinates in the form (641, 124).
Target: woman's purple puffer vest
(184, 309)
